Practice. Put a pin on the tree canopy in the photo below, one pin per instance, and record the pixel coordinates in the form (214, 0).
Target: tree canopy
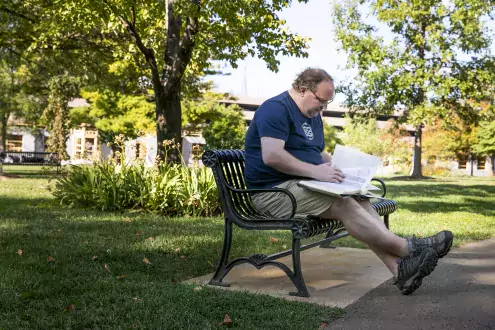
(173, 41)
(114, 113)
(434, 62)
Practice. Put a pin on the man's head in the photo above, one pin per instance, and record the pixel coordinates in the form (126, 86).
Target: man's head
(313, 89)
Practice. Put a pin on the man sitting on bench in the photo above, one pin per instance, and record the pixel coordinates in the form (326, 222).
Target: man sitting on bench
(284, 144)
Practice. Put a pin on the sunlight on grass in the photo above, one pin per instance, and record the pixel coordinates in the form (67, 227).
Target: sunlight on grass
(6, 225)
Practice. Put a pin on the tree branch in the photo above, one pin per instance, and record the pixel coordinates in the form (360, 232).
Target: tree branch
(171, 56)
(10, 11)
(147, 52)
(133, 14)
(187, 43)
(179, 50)
(21, 56)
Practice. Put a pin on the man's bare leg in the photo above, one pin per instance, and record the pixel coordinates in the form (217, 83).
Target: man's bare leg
(366, 204)
(390, 260)
(362, 224)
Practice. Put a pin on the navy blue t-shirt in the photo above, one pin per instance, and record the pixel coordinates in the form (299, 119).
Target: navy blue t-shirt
(280, 118)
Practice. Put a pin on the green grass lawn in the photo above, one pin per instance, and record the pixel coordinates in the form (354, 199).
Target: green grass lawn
(60, 280)
(466, 206)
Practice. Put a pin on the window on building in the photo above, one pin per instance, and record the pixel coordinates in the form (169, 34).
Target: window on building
(78, 151)
(89, 147)
(14, 142)
(482, 163)
(140, 151)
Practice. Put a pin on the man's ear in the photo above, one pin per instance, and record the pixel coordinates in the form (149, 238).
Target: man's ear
(303, 90)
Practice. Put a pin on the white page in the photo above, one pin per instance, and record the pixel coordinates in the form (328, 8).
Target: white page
(358, 175)
(358, 169)
(329, 187)
(358, 165)
(347, 157)
(337, 188)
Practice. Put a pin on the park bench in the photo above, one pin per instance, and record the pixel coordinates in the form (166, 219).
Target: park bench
(235, 200)
(29, 158)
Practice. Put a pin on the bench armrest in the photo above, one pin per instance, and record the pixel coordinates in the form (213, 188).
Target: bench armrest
(265, 190)
(384, 188)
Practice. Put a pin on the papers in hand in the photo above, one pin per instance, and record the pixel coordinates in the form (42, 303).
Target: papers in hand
(358, 168)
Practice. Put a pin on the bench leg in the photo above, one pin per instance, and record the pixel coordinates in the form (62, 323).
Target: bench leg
(297, 278)
(222, 269)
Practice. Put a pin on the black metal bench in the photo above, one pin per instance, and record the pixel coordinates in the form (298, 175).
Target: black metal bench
(29, 158)
(235, 199)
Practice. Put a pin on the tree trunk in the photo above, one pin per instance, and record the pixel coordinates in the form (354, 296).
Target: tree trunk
(178, 53)
(416, 169)
(471, 163)
(492, 165)
(166, 86)
(420, 100)
(168, 123)
(5, 118)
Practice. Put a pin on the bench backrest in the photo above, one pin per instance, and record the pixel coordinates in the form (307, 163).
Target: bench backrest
(228, 170)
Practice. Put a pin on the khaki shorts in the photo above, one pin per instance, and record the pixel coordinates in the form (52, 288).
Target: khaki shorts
(309, 202)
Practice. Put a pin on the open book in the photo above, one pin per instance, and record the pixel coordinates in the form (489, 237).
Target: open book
(358, 168)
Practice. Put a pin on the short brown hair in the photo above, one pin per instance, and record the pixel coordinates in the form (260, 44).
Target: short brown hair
(310, 78)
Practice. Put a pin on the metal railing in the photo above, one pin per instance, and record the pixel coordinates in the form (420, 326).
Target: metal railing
(29, 158)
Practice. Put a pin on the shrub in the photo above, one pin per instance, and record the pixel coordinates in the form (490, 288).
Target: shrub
(331, 136)
(391, 145)
(171, 189)
(223, 127)
(365, 136)
(435, 170)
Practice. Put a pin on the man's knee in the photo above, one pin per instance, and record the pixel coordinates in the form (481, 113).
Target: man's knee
(345, 204)
(366, 204)
(343, 207)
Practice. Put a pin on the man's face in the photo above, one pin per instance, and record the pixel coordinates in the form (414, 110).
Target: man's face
(316, 101)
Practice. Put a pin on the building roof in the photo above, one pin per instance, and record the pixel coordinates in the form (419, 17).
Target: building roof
(333, 114)
(195, 139)
(245, 100)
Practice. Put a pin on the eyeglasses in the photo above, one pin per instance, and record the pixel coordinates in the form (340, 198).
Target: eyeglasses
(324, 103)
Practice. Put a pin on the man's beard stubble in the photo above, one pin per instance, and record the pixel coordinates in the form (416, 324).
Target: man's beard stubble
(313, 112)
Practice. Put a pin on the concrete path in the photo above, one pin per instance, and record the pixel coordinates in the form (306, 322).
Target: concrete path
(459, 294)
(334, 277)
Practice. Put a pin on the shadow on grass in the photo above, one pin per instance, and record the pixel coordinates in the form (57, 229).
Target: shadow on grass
(469, 205)
(447, 197)
(55, 258)
(30, 175)
(431, 190)
(15, 203)
(124, 239)
(408, 178)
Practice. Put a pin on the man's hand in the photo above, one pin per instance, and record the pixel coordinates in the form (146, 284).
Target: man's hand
(328, 173)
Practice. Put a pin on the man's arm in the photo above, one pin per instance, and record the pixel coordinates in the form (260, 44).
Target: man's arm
(327, 158)
(274, 155)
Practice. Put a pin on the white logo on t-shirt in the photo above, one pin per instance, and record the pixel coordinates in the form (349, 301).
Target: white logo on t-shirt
(308, 131)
